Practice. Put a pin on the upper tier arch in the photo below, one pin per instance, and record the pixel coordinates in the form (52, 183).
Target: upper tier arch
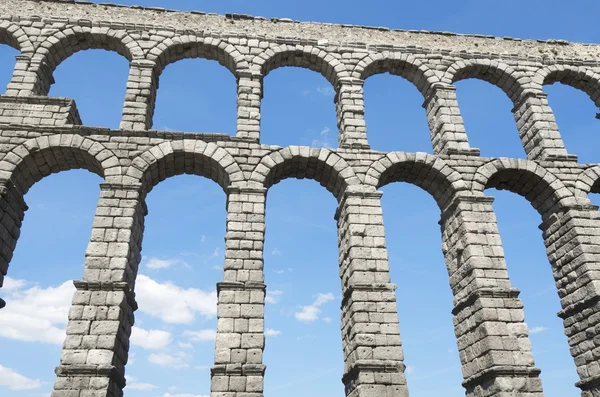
(500, 74)
(64, 43)
(309, 57)
(404, 65)
(322, 165)
(173, 49)
(14, 36)
(578, 77)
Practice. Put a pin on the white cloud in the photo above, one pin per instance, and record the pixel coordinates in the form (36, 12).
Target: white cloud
(36, 314)
(15, 381)
(175, 360)
(134, 384)
(173, 304)
(203, 335)
(150, 340)
(324, 140)
(11, 284)
(157, 263)
(183, 395)
(327, 319)
(311, 312)
(537, 330)
(409, 369)
(327, 90)
(185, 345)
(280, 271)
(276, 252)
(272, 332)
(273, 296)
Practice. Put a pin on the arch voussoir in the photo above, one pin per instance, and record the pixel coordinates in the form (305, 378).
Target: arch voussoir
(195, 157)
(322, 165)
(38, 157)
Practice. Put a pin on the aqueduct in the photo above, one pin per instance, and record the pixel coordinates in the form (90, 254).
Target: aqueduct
(40, 135)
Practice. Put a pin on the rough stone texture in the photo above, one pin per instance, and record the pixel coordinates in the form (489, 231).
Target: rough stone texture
(40, 135)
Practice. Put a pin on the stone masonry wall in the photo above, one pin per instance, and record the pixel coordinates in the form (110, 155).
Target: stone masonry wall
(41, 135)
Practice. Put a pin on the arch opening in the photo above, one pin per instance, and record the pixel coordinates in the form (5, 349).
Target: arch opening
(182, 261)
(386, 110)
(530, 272)
(416, 260)
(38, 289)
(293, 93)
(574, 113)
(488, 118)
(302, 311)
(98, 92)
(7, 63)
(195, 95)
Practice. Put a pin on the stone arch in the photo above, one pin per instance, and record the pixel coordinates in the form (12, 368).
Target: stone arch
(322, 165)
(15, 37)
(173, 49)
(185, 156)
(540, 187)
(428, 172)
(308, 57)
(503, 76)
(39, 157)
(588, 182)
(403, 65)
(64, 43)
(577, 77)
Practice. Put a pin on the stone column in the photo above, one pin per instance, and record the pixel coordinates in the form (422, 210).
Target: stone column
(537, 128)
(492, 336)
(445, 121)
(22, 81)
(373, 356)
(571, 238)
(350, 107)
(140, 96)
(96, 348)
(12, 211)
(239, 369)
(250, 93)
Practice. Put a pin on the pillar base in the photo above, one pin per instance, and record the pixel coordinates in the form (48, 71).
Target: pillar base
(366, 378)
(590, 387)
(505, 380)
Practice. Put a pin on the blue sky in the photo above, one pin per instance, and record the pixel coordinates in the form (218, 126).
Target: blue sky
(183, 243)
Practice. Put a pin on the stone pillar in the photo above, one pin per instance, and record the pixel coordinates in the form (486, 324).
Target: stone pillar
(373, 356)
(250, 93)
(239, 369)
(140, 96)
(492, 336)
(12, 211)
(446, 124)
(96, 348)
(571, 238)
(537, 128)
(21, 83)
(350, 107)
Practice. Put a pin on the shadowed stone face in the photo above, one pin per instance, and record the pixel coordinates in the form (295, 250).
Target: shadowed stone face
(40, 135)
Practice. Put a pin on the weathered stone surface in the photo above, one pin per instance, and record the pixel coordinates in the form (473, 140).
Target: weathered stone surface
(40, 135)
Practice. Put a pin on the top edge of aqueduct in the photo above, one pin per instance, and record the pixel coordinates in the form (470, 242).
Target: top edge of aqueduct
(332, 34)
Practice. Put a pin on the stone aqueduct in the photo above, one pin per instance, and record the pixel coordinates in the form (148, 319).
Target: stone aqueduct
(41, 135)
